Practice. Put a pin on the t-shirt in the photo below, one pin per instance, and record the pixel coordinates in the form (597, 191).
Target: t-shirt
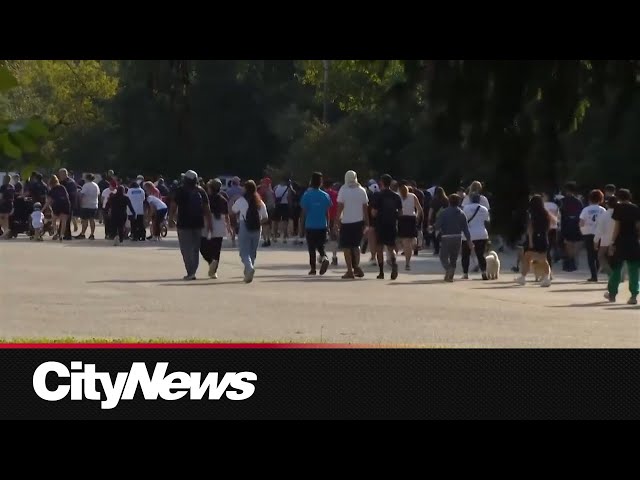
(241, 206)
(628, 214)
(267, 195)
(353, 199)
(156, 203)
(604, 229)
(191, 203)
(477, 225)
(483, 201)
(554, 210)
(38, 191)
(105, 196)
(137, 197)
(388, 205)
(59, 195)
(436, 206)
(8, 193)
(409, 205)
(72, 189)
(282, 194)
(37, 219)
(570, 210)
(316, 204)
(333, 210)
(589, 217)
(219, 203)
(103, 185)
(89, 195)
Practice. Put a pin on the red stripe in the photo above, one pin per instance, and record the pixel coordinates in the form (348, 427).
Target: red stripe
(183, 345)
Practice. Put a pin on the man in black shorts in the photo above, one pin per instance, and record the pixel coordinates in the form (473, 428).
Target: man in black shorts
(386, 206)
(284, 194)
(570, 210)
(352, 219)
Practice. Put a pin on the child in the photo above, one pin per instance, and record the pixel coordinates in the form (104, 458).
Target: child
(37, 222)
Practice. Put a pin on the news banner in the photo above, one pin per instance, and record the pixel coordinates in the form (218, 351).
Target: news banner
(262, 381)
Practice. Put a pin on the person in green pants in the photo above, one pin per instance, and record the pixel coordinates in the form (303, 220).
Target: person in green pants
(625, 247)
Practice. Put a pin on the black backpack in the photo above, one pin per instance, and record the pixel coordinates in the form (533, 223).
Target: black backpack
(252, 218)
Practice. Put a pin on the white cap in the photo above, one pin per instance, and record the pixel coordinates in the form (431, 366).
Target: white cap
(191, 175)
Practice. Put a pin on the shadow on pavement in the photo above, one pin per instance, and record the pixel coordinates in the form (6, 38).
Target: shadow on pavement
(592, 304)
(128, 280)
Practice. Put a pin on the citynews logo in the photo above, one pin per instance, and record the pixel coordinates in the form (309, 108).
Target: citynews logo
(176, 385)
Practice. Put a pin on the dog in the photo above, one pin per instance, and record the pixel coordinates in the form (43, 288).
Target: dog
(538, 271)
(493, 265)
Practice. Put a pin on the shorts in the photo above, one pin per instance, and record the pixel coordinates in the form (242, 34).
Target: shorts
(61, 209)
(407, 227)
(387, 235)
(88, 213)
(351, 234)
(281, 213)
(6, 207)
(571, 231)
(540, 244)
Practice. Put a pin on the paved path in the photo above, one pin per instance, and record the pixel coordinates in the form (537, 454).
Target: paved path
(88, 289)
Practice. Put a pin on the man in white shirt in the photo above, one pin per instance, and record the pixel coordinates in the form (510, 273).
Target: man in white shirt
(89, 199)
(283, 194)
(137, 196)
(353, 219)
(588, 219)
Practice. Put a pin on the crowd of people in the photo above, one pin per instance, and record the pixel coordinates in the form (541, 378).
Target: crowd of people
(385, 215)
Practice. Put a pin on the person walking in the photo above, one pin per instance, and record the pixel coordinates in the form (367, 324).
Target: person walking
(109, 229)
(570, 210)
(58, 200)
(604, 234)
(408, 223)
(333, 212)
(136, 216)
(588, 220)
(7, 198)
(251, 213)
(89, 201)
(283, 198)
(210, 247)
(117, 205)
(478, 219)
(352, 220)
(451, 225)
(624, 247)
(315, 206)
(72, 190)
(438, 204)
(537, 244)
(386, 207)
(268, 197)
(193, 214)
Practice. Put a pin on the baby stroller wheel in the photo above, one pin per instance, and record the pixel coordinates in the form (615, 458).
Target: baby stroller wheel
(163, 230)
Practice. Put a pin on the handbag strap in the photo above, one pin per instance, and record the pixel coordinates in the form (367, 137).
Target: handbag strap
(474, 214)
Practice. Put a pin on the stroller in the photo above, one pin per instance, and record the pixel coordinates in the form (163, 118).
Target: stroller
(20, 218)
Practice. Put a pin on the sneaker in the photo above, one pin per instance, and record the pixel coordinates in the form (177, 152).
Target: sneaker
(357, 271)
(520, 280)
(80, 237)
(265, 244)
(449, 276)
(334, 262)
(213, 268)
(189, 277)
(380, 276)
(465, 276)
(632, 301)
(348, 276)
(248, 277)
(407, 268)
(485, 276)
(91, 237)
(546, 282)
(610, 297)
(592, 280)
(312, 272)
(67, 238)
(324, 266)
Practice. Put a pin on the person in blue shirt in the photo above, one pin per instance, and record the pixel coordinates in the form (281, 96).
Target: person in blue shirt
(315, 205)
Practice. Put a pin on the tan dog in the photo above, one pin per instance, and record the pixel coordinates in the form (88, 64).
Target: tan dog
(538, 270)
(493, 265)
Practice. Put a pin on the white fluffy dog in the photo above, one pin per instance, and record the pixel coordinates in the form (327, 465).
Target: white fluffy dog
(493, 265)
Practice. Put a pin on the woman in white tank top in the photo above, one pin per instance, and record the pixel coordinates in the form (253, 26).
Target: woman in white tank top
(408, 223)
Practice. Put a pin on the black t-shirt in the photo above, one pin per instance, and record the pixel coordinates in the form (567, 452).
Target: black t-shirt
(219, 203)
(103, 185)
(38, 191)
(388, 204)
(72, 189)
(8, 193)
(570, 210)
(59, 195)
(164, 191)
(628, 214)
(191, 206)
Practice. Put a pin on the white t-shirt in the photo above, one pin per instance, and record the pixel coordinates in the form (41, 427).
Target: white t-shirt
(89, 195)
(105, 196)
(590, 216)
(282, 191)
(409, 205)
(156, 203)
(477, 227)
(554, 210)
(37, 219)
(483, 201)
(137, 197)
(241, 206)
(353, 199)
(604, 228)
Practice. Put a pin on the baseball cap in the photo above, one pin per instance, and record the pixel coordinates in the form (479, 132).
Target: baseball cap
(374, 187)
(191, 175)
(350, 178)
